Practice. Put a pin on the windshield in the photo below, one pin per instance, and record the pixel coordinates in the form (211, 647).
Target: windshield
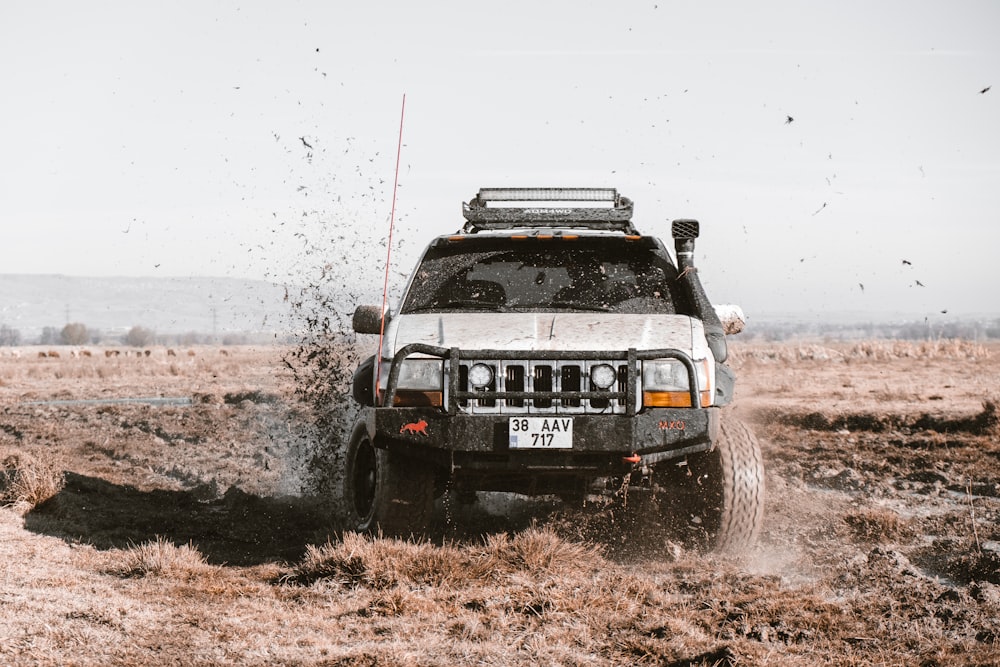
(500, 275)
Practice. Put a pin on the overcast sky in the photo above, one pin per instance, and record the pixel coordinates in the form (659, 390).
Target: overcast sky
(821, 144)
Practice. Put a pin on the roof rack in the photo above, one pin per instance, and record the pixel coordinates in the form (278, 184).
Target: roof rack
(608, 209)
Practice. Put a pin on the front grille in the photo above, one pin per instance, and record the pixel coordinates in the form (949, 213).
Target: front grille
(538, 377)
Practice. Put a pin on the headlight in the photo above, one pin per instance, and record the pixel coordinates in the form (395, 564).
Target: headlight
(665, 384)
(664, 375)
(480, 376)
(420, 383)
(421, 374)
(603, 376)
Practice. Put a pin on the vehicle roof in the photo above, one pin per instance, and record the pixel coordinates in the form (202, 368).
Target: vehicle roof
(541, 233)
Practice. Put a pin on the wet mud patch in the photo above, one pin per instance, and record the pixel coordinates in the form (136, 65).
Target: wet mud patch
(963, 560)
(12, 431)
(882, 463)
(254, 396)
(630, 531)
(158, 431)
(983, 423)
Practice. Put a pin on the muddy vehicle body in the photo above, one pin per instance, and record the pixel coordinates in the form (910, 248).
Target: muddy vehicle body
(550, 348)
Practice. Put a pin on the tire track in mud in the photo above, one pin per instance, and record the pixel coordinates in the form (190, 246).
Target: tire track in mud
(986, 422)
(925, 486)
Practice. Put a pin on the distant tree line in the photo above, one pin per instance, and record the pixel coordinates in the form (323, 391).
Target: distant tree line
(9, 336)
(77, 333)
(926, 330)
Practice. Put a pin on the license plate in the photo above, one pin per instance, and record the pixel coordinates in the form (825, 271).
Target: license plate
(541, 432)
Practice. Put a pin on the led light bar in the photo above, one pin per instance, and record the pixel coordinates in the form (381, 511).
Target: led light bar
(547, 194)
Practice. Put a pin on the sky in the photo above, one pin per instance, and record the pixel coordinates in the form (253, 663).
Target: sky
(841, 156)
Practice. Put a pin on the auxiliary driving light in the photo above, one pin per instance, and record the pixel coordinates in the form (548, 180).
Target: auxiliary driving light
(603, 376)
(480, 376)
(547, 194)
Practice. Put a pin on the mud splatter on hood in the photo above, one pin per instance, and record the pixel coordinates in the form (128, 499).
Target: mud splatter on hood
(548, 331)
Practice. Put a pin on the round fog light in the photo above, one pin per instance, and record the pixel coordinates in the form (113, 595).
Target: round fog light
(603, 376)
(480, 376)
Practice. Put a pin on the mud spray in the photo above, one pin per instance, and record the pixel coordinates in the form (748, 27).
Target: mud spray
(333, 259)
(325, 351)
(322, 364)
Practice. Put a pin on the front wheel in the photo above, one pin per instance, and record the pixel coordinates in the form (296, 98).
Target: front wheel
(385, 491)
(715, 499)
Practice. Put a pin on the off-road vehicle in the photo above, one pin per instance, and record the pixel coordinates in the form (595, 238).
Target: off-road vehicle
(548, 347)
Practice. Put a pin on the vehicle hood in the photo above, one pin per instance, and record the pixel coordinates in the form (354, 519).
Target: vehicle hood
(548, 331)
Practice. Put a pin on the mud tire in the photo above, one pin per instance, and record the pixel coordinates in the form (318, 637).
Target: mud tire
(386, 492)
(716, 500)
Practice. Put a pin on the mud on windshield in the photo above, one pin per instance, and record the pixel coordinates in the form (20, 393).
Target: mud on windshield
(500, 275)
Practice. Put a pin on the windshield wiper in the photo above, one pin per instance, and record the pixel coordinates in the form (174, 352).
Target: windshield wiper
(458, 303)
(577, 306)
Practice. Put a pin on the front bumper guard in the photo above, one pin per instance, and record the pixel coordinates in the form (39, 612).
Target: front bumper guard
(455, 355)
(619, 441)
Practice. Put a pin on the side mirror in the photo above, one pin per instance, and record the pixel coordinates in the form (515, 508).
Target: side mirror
(368, 319)
(732, 318)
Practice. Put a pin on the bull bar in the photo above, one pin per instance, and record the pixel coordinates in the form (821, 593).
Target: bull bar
(454, 355)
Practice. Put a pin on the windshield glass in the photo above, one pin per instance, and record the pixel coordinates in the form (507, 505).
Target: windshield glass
(500, 275)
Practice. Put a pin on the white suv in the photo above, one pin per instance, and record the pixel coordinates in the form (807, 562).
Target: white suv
(550, 348)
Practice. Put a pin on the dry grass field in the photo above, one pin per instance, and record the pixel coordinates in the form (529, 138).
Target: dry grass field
(200, 531)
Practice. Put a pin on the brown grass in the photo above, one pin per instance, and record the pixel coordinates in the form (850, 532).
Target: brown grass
(878, 525)
(530, 593)
(160, 558)
(123, 376)
(878, 350)
(25, 481)
(359, 560)
(382, 563)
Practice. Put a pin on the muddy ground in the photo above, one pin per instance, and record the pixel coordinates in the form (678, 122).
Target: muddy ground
(881, 542)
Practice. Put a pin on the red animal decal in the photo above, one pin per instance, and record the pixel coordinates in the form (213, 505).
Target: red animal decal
(415, 428)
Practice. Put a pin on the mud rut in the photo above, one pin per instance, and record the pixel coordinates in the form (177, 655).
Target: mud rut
(927, 486)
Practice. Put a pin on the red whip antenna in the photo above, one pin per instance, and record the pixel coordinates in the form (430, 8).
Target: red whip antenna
(388, 253)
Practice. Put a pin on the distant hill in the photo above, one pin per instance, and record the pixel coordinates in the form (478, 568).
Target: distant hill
(113, 305)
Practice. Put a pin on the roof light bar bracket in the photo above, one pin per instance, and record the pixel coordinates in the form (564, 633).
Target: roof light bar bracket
(554, 209)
